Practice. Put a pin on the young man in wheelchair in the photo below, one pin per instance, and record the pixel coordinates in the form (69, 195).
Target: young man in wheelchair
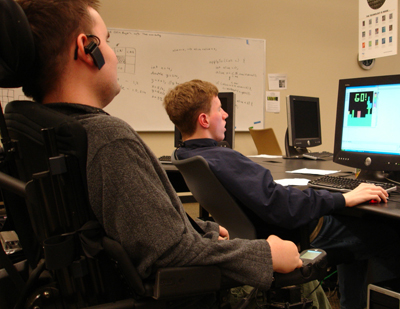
(75, 71)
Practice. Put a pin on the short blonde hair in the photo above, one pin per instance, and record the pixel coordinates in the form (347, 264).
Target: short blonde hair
(187, 101)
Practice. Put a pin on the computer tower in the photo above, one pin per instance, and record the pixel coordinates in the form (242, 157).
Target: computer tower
(384, 295)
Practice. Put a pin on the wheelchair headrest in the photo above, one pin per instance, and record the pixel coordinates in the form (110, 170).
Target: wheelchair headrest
(16, 48)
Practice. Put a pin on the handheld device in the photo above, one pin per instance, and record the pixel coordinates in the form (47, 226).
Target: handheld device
(314, 268)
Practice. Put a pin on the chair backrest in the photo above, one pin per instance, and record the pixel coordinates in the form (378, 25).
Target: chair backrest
(213, 197)
(17, 48)
(30, 123)
(265, 141)
(54, 209)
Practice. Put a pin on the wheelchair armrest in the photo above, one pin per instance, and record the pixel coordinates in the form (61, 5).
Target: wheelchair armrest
(168, 282)
(184, 281)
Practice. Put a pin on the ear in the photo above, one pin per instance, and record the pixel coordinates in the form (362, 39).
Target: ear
(81, 42)
(203, 121)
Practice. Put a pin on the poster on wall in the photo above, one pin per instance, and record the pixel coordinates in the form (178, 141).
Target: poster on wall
(377, 29)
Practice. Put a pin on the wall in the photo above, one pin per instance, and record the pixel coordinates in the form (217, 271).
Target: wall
(314, 42)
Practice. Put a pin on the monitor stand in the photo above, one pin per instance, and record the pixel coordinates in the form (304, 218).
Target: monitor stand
(381, 176)
(291, 151)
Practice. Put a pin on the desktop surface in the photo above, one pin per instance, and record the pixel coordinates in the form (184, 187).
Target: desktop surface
(278, 168)
(323, 155)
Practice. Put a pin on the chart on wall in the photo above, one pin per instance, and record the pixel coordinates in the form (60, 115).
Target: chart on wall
(377, 28)
(150, 63)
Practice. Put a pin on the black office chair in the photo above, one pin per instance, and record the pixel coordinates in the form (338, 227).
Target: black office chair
(224, 208)
(214, 198)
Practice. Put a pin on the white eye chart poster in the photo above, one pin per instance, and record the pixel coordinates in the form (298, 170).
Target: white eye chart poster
(377, 28)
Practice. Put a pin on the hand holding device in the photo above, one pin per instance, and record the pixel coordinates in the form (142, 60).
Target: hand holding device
(314, 267)
(285, 255)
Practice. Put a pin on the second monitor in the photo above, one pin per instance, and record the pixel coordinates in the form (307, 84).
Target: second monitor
(304, 125)
(228, 101)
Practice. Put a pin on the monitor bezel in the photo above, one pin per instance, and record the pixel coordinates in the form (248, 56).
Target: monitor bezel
(362, 160)
(293, 139)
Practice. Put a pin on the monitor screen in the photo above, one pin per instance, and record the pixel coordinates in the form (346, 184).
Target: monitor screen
(228, 104)
(304, 125)
(367, 124)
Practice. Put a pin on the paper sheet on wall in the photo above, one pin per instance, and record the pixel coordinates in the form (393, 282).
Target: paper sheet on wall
(273, 104)
(277, 81)
(377, 29)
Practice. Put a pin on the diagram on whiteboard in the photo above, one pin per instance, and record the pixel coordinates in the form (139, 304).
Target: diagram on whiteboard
(6, 95)
(11, 94)
(126, 59)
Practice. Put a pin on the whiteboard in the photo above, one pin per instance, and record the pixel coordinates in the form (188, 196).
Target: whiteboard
(151, 63)
(11, 94)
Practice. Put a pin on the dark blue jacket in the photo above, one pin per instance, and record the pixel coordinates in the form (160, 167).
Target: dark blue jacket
(283, 208)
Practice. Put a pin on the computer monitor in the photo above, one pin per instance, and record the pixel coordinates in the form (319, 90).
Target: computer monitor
(228, 101)
(367, 126)
(304, 125)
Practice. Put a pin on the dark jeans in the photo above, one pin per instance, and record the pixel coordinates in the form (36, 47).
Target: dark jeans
(351, 243)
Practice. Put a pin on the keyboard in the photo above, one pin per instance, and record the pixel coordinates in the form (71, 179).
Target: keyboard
(344, 184)
(318, 155)
(165, 159)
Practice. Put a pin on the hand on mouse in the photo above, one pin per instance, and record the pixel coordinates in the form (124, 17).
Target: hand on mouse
(364, 193)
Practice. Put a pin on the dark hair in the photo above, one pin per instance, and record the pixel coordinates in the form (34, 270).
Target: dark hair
(55, 24)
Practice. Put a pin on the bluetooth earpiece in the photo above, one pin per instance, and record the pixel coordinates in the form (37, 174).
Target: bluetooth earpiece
(93, 49)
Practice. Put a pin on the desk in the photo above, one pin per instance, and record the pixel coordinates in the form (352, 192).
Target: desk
(278, 168)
